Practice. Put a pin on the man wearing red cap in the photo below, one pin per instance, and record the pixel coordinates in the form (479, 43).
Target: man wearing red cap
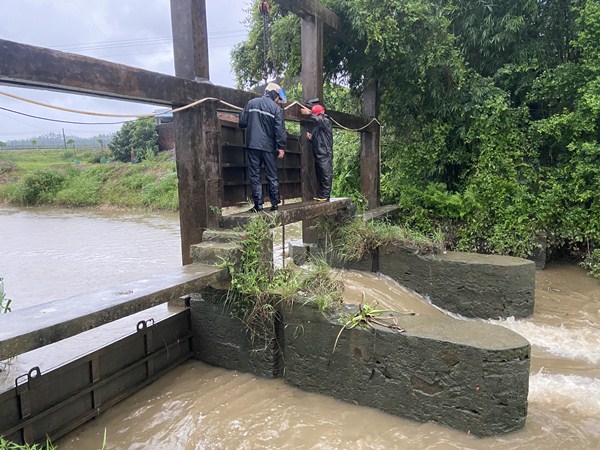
(321, 140)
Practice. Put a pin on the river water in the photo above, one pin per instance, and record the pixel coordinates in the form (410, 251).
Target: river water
(50, 254)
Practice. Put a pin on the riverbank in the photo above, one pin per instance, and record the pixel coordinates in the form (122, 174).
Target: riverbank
(72, 178)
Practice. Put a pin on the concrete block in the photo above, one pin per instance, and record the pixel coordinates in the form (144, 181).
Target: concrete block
(214, 253)
(470, 376)
(469, 284)
(222, 340)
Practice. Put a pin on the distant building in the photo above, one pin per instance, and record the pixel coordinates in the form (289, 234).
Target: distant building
(165, 129)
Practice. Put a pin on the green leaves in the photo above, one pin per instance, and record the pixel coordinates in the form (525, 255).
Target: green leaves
(136, 139)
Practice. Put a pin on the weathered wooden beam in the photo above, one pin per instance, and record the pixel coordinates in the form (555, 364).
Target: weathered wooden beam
(312, 87)
(198, 173)
(190, 39)
(36, 67)
(313, 8)
(370, 154)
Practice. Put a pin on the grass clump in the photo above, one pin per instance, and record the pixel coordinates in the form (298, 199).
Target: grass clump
(320, 287)
(8, 445)
(357, 238)
(250, 294)
(256, 289)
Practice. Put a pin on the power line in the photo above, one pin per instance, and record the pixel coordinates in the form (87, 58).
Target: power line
(61, 121)
(100, 45)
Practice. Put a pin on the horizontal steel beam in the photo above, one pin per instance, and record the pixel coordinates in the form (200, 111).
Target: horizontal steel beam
(43, 68)
(36, 67)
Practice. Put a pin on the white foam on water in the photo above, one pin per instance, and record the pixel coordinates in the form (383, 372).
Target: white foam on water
(579, 395)
(572, 343)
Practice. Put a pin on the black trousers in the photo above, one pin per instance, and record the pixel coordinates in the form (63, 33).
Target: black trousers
(324, 172)
(269, 161)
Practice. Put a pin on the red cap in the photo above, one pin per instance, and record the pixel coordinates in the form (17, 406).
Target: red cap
(317, 109)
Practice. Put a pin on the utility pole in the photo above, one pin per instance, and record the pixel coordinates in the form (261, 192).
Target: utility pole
(64, 138)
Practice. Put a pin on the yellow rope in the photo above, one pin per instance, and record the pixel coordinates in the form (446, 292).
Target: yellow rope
(336, 122)
(182, 108)
(60, 108)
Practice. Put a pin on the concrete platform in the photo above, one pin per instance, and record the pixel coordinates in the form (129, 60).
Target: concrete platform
(290, 213)
(26, 329)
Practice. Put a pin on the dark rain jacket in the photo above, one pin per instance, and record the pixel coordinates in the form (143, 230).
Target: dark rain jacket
(322, 145)
(265, 128)
(322, 137)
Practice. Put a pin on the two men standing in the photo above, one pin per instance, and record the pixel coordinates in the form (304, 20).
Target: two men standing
(266, 139)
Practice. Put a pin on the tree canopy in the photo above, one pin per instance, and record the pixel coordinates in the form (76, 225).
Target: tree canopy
(490, 112)
(137, 139)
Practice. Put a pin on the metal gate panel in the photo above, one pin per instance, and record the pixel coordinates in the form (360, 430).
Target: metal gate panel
(233, 161)
(56, 402)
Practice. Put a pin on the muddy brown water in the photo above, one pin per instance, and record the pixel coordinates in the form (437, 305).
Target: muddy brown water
(47, 255)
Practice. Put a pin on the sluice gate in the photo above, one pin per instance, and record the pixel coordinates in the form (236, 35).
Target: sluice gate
(56, 402)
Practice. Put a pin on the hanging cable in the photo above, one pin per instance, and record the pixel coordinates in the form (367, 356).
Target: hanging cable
(61, 121)
(176, 110)
(264, 8)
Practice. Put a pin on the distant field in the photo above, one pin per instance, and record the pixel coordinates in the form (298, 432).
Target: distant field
(43, 158)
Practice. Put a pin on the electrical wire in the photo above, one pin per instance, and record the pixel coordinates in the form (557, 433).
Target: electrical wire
(172, 111)
(58, 120)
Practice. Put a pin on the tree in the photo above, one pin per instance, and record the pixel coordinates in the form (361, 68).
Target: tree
(2, 144)
(34, 142)
(490, 111)
(137, 138)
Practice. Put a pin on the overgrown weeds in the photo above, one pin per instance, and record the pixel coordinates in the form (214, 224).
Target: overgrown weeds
(320, 287)
(257, 289)
(366, 316)
(357, 238)
(249, 296)
(8, 445)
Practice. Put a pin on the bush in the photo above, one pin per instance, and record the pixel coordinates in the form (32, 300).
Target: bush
(39, 187)
(137, 139)
(592, 263)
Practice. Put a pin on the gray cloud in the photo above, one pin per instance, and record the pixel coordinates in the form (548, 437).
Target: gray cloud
(132, 32)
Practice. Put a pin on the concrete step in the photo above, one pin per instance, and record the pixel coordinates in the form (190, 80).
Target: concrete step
(214, 253)
(225, 236)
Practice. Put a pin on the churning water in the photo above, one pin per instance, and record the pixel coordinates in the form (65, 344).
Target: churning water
(47, 255)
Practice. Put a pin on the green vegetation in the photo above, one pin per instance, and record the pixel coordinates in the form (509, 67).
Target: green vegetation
(365, 317)
(4, 302)
(7, 445)
(319, 286)
(357, 238)
(490, 113)
(256, 289)
(136, 140)
(53, 177)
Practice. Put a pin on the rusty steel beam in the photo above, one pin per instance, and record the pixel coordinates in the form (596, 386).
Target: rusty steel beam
(190, 39)
(36, 67)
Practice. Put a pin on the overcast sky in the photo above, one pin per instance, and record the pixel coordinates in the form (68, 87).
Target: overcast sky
(133, 32)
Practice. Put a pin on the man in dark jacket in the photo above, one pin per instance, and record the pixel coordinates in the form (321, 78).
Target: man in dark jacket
(321, 140)
(265, 142)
